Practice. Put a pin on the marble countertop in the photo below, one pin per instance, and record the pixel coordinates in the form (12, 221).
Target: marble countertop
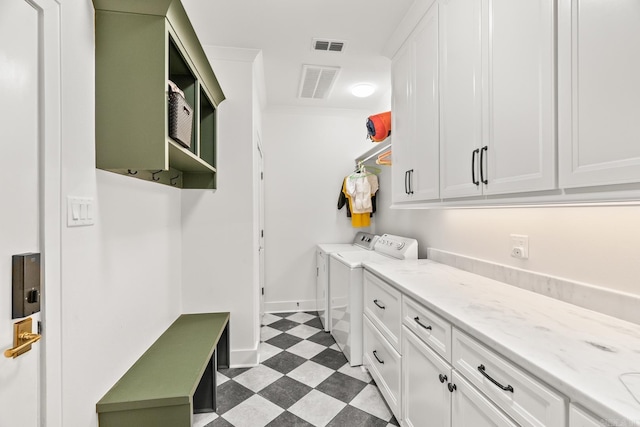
(591, 358)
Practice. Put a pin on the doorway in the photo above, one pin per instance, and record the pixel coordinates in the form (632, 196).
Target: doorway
(30, 172)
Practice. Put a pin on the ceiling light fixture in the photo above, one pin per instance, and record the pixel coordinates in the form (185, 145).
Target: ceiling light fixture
(362, 90)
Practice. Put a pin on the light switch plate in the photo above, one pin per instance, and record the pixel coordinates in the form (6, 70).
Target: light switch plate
(80, 211)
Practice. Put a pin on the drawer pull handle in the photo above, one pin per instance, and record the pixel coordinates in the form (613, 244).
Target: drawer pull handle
(417, 319)
(442, 378)
(375, 301)
(451, 387)
(481, 368)
(375, 354)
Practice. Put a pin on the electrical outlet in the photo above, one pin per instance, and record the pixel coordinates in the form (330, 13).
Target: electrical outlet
(520, 246)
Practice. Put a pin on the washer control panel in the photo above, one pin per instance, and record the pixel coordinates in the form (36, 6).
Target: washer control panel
(397, 246)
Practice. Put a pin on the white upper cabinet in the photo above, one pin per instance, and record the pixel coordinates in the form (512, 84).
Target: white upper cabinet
(415, 175)
(401, 122)
(497, 71)
(519, 129)
(460, 101)
(598, 92)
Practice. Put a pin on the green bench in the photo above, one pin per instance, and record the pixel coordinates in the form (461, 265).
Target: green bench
(173, 379)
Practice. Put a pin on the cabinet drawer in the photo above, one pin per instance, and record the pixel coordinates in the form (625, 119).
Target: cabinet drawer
(470, 408)
(526, 399)
(431, 328)
(383, 363)
(382, 304)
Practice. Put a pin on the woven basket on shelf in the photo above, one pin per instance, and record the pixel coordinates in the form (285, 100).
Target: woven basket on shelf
(180, 116)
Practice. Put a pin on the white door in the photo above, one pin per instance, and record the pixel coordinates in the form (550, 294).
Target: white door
(426, 399)
(30, 191)
(402, 122)
(579, 418)
(460, 98)
(520, 112)
(598, 92)
(425, 157)
(261, 225)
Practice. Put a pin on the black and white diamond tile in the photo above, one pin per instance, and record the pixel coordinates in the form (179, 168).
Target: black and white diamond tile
(303, 380)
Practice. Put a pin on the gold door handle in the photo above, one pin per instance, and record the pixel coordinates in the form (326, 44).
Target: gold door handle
(22, 340)
(26, 339)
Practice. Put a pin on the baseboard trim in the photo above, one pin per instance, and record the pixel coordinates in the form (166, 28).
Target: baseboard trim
(289, 306)
(247, 358)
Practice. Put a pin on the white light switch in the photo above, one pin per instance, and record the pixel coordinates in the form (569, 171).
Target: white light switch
(80, 211)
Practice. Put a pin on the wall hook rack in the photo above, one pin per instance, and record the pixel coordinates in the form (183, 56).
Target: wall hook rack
(153, 175)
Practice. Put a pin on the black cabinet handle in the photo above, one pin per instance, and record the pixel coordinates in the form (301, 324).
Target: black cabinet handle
(482, 370)
(375, 354)
(442, 378)
(417, 319)
(410, 181)
(406, 179)
(451, 387)
(375, 301)
(484, 150)
(473, 166)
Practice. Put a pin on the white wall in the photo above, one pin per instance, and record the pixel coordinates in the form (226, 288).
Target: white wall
(596, 245)
(219, 237)
(308, 153)
(121, 277)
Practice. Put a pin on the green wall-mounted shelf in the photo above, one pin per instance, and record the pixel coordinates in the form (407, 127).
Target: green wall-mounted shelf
(140, 45)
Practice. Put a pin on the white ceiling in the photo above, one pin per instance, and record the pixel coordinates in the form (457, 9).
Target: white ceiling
(283, 30)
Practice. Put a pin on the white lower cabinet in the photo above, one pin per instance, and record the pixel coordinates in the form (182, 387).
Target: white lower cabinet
(470, 408)
(527, 400)
(579, 418)
(383, 363)
(426, 399)
(435, 395)
(440, 376)
(382, 305)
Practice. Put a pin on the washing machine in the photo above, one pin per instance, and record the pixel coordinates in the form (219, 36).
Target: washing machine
(361, 242)
(346, 289)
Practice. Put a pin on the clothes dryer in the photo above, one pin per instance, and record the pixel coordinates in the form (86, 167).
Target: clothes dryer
(361, 242)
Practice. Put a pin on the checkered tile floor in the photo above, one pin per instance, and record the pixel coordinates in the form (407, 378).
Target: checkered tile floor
(303, 380)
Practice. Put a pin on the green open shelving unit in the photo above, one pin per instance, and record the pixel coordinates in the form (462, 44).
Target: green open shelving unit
(140, 45)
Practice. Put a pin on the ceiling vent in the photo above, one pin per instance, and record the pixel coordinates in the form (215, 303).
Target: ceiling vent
(317, 81)
(325, 45)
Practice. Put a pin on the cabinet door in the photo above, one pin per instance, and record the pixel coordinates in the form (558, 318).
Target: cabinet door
(460, 97)
(425, 179)
(519, 114)
(426, 400)
(579, 418)
(402, 121)
(598, 92)
(471, 408)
